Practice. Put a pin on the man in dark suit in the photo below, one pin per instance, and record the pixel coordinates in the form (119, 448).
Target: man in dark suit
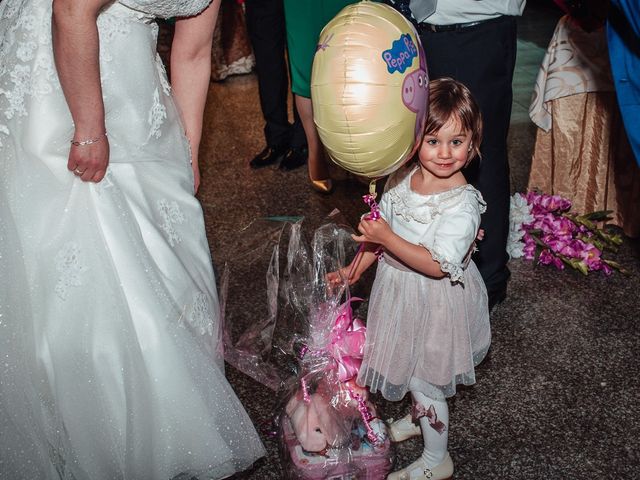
(475, 43)
(286, 143)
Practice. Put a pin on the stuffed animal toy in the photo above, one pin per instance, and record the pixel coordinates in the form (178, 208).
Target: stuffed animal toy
(316, 423)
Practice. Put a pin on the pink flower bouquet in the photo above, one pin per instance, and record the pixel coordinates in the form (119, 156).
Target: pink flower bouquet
(543, 229)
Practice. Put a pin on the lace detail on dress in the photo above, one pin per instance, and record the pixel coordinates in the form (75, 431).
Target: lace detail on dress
(69, 264)
(171, 216)
(425, 208)
(199, 315)
(4, 130)
(157, 115)
(162, 74)
(26, 39)
(454, 270)
(167, 8)
(26, 58)
(110, 26)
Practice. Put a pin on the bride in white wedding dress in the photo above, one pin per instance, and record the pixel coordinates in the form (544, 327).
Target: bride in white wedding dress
(110, 356)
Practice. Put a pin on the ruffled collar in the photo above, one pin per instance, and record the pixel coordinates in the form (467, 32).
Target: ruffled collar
(425, 208)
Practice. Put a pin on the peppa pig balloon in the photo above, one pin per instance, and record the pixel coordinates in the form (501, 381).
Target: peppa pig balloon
(369, 89)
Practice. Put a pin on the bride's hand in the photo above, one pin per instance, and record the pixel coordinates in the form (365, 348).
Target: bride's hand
(89, 162)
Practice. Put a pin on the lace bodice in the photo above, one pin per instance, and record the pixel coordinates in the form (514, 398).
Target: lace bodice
(167, 8)
(445, 223)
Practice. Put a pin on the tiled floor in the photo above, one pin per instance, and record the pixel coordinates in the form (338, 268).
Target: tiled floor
(559, 394)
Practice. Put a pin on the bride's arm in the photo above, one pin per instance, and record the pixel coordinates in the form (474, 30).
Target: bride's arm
(76, 50)
(191, 71)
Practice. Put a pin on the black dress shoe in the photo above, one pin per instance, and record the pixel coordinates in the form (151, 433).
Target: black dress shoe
(295, 157)
(268, 156)
(497, 296)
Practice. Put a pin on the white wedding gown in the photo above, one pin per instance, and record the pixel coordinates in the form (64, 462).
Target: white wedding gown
(110, 356)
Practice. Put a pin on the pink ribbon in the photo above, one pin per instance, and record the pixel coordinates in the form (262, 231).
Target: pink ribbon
(374, 214)
(347, 342)
(370, 199)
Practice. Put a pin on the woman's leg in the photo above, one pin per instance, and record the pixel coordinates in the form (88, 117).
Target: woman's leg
(318, 168)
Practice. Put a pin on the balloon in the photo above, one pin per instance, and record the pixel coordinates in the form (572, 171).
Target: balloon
(369, 89)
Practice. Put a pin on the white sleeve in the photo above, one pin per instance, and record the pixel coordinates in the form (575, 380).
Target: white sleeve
(454, 236)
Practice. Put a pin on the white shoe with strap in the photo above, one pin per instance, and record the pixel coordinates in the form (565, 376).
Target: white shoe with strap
(419, 470)
(403, 429)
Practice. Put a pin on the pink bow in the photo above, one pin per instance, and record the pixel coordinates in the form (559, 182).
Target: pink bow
(370, 199)
(347, 342)
(420, 411)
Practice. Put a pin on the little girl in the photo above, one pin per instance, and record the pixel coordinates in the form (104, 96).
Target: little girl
(428, 319)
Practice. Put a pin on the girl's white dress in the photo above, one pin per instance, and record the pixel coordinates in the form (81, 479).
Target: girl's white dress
(423, 333)
(110, 356)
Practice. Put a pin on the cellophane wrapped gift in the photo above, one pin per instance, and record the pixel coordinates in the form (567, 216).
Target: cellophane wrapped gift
(308, 345)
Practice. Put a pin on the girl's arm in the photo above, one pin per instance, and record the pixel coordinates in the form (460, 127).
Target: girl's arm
(412, 255)
(415, 256)
(190, 74)
(76, 54)
(360, 263)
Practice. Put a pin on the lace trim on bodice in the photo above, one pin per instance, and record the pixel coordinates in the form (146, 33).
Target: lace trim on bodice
(425, 208)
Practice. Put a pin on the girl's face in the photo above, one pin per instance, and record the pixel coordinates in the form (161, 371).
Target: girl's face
(446, 151)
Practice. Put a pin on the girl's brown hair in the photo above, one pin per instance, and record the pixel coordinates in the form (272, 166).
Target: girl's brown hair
(448, 99)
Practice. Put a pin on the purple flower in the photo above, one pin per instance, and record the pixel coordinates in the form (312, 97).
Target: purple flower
(556, 244)
(567, 239)
(591, 257)
(546, 257)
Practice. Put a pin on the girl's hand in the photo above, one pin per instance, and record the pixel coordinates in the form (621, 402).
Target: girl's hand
(373, 231)
(89, 162)
(337, 278)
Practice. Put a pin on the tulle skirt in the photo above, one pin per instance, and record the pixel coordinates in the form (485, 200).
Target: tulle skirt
(422, 333)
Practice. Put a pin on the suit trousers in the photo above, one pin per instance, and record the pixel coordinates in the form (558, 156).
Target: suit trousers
(266, 27)
(483, 58)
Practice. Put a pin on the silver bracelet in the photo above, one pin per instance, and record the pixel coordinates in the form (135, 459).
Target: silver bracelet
(89, 141)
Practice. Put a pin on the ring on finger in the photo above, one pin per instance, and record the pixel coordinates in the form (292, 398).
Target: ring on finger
(77, 171)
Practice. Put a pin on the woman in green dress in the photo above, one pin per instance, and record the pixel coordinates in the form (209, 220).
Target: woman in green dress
(305, 19)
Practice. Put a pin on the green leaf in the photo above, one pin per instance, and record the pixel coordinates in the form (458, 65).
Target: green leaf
(599, 216)
(617, 266)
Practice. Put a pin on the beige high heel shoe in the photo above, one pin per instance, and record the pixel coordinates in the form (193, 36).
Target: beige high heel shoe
(323, 186)
(419, 470)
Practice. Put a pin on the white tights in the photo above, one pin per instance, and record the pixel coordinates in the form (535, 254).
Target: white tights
(435, 430)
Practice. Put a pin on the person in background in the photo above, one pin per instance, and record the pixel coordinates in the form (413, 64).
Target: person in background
(623, 35)
(475, 43)
(305, 19)
(286, 143)
(581, 150)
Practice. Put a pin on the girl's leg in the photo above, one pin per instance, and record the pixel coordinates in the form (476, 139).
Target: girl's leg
(318, 169)
(435, 427)
(435, 462)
